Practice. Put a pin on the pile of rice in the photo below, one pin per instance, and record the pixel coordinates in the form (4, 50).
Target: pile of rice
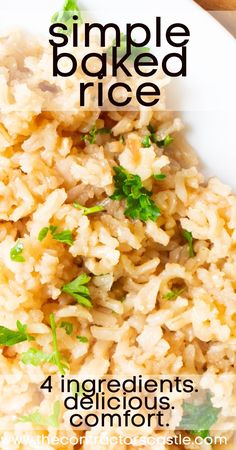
(44, 168)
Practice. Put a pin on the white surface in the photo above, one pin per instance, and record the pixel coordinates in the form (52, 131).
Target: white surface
(207, 97)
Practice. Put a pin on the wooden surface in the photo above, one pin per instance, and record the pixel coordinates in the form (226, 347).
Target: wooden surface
(224, 12)
(218, 5)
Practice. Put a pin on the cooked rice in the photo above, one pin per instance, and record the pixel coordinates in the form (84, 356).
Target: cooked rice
(44, 168)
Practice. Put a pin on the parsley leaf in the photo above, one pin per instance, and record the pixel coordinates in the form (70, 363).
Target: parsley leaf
(37, 418)
(56, 355)
(16, 252)
(122, 48)
(189, 238)
(64, 236)
(77, 289)
(151, 128)
(82, 339)
(173, 294)
(104, 130)
(152, 134)
(10, 337)
(139, 204)
(68, 326)
(146, 143)
(92, 134)
(199, 418)
(159, 176)
(87, 211)
(122, 139)
(43, 233)
(165, 142)
(36, 357)
(160, 142)
(65, 15)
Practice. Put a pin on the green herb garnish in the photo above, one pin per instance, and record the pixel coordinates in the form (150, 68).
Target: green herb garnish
(138, 201)
(43, 233)
(10, 337)
(64, 236)
(57, 358)
(87, 211)
(165, 142)
(104, 130)
(146, 143)
(173, 294)
(152, 135)
(189, 238)
(201, 417)
(36, 357)
(65, 15)
(82, 339)
(78, 290)
(68, 326)
(38, 419)
(16, 252)
(122, 48)
(160, 142)
(92, 134)
(159, 176)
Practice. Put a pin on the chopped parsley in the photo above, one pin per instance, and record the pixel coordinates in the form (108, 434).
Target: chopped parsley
(159, 176)
(58, 360)
(43, 233)
(68, 327)
(173, 294)
(16, 252)
(139, 204)
(122, 48)
(159, 142)
(104, 130)
(122, 139)
(38, 419)
(198, 419)
(165, 142)
(64, 236)
(92, 134)
(87, 211)
(146, 142)
(77, 289)
(10, 337)
(37, 357)
(152, 134)
(82, 339)
(189, 238)
(65, 15)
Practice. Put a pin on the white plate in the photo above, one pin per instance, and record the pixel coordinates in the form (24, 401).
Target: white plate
(206, 98)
